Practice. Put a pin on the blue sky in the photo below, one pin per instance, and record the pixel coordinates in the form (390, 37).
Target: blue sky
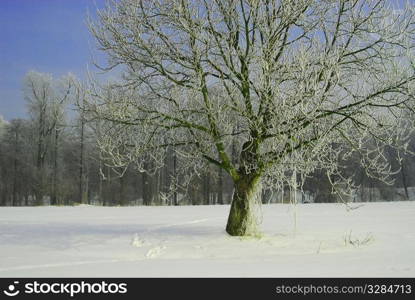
(48, 36)
(44, 35)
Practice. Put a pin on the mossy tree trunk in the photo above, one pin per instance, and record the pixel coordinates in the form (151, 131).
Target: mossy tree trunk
(242, 220)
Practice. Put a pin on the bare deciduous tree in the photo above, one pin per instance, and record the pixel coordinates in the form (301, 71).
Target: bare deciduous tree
(45, 99)
(290, 86)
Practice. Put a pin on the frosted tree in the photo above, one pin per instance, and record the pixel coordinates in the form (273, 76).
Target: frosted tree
(46, 98)
(289, 86)
(78, 96)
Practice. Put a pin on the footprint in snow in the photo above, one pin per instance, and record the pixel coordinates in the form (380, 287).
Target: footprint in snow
(155, 252)
(138, 242)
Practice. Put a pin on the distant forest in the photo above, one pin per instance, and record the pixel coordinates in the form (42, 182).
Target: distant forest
(52, 158)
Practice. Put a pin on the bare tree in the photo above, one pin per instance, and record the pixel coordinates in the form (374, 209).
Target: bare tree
(79, 94)
(45, 99)
(294, 78)
(38, 92)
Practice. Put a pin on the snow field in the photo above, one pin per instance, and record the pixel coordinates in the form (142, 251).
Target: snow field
(325, 240)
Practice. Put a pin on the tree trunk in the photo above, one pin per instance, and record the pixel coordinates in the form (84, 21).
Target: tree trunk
(404, 181)
(206, 188)
(15, 166)
(122, 200)
(41, 151)
(220, 187)
(100, 185)
(242, 220)
(175, 200)
(147, 192)
(55, 170)
(81, 163)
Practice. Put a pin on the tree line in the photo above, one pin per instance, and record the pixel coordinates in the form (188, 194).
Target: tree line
(52, 158)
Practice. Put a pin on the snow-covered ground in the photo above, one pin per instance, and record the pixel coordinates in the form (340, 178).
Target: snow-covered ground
(377, 239)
